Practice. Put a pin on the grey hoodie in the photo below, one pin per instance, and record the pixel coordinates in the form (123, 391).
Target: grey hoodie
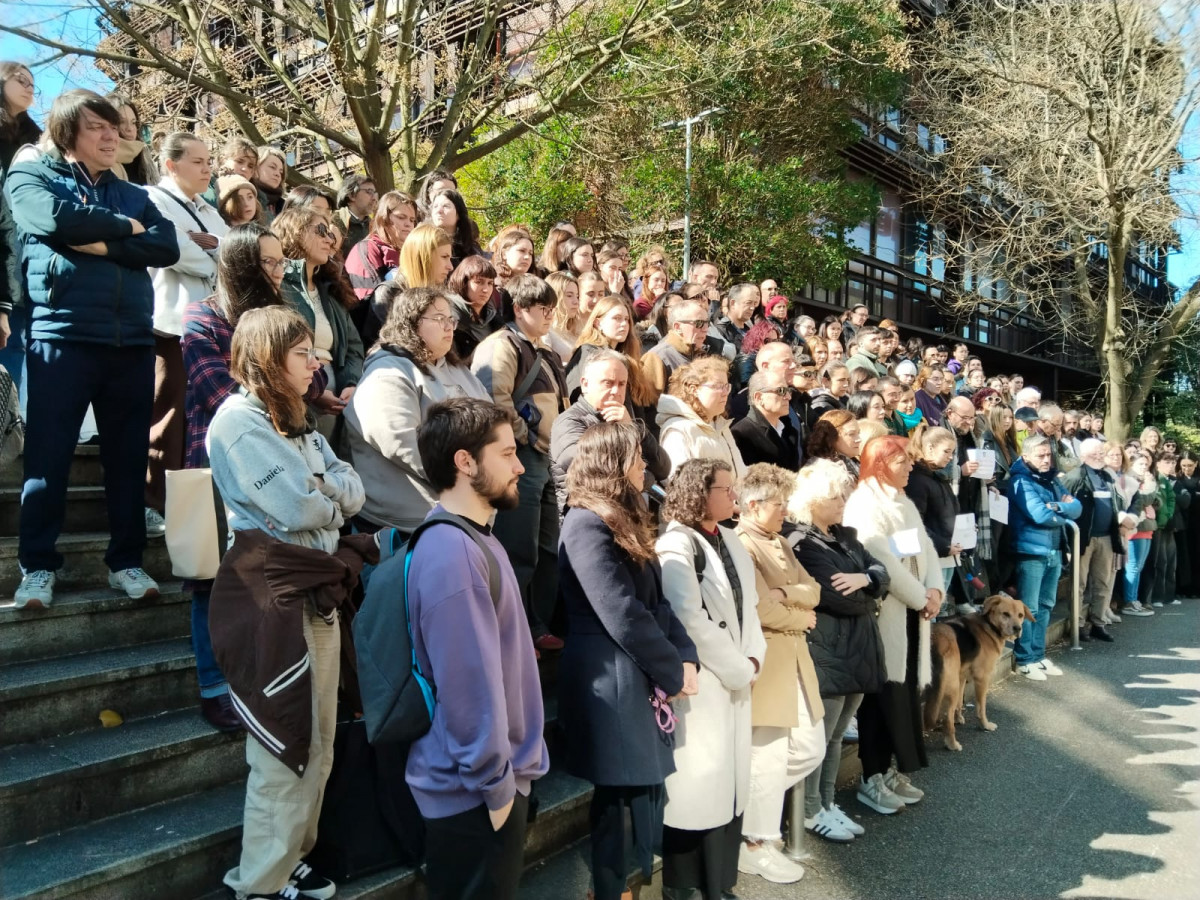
(270, 482)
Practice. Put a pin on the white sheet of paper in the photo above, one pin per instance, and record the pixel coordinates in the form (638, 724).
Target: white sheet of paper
(998, 508)
(965, 534)
(906, 543)
(987, 463)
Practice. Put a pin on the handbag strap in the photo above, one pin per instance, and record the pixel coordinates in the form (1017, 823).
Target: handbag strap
(187, 209)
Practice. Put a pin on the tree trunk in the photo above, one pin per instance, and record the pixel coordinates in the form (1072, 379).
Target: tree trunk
(378, 163)
(1118, 420)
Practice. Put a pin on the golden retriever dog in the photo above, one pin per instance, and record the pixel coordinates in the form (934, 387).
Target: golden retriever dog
(965, 649)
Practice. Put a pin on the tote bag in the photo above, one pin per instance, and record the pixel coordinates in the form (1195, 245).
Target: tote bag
(191, 514)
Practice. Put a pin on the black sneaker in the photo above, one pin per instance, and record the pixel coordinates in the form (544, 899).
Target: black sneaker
(310, 884)
(288, 893)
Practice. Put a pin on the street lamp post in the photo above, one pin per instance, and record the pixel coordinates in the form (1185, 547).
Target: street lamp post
(686, 125)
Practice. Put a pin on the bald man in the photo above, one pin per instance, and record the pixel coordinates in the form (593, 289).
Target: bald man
(774, 357)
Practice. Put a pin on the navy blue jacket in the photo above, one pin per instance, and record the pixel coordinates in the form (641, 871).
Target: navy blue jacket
(1034, 529)
(79, 296)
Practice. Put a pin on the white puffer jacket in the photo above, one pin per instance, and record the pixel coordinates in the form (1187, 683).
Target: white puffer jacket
(194, 277)
(683, 435)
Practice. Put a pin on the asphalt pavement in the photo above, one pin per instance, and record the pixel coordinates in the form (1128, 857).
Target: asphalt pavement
(1090, 787)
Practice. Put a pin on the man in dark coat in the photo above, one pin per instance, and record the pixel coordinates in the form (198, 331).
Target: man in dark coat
(769, 432)
(602, 386)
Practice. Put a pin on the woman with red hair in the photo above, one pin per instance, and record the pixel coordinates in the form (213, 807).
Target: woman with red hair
(890, 527)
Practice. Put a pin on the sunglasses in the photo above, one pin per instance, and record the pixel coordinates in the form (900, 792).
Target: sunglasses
(780, 391)
(807, 373)
(323, 231)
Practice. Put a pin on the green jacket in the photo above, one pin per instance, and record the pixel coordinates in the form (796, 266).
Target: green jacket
(1166, 496)
(347, 344)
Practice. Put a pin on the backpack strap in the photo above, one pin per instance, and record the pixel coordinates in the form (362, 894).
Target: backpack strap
(445, 518)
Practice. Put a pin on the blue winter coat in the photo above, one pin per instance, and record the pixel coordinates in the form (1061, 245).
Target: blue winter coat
(80, 296)
(1033, 528)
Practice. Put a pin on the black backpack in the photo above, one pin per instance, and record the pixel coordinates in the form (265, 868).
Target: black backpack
(398, 698)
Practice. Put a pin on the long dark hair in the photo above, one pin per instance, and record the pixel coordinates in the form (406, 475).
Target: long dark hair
(289, 226)
(463, 239)
(242, 284)
(19, 129)
(596, 481)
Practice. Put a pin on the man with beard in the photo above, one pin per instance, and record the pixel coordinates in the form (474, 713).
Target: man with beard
(472, 772)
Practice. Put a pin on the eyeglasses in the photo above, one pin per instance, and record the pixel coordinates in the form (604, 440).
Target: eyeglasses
(322, 231)
(727, 489)
(781, 391)
(546, 311)
(23, 80)
(272, 265)
(717, 388)
(444, 322)
(310, 355)
(695, 323)
(370, 190)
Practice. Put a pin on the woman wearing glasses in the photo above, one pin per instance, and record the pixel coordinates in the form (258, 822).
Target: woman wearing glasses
(315, 284)
(412, 367)
(709, 580)
(691, 419)
(249, 273)
(627, 657)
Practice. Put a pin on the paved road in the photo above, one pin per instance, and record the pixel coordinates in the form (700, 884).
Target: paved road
(1089, 788)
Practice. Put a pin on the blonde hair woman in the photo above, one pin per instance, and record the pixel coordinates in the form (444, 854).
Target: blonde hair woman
(425, 258)
(564, 330)
(270, 178)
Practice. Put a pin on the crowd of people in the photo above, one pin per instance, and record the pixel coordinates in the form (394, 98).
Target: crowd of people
(733, 523)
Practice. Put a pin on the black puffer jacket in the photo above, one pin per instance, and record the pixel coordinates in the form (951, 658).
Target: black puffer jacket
(845, 646)
(934, 499)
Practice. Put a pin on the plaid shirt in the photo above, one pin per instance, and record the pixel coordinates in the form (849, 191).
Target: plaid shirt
(207, 336)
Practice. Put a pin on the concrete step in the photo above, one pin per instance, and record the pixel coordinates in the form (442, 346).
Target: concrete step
(85, 469)
(45, 698)
(79, 621)
(64, 782)
(83, 561)
(86, 510)
(182, 848)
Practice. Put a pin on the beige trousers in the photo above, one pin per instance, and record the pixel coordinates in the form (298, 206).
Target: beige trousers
(780, 758)
(279, 826)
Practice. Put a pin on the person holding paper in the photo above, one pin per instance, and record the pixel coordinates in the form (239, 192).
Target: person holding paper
(1040, 507)
(969, 477)
(891, 743)
(929, 488)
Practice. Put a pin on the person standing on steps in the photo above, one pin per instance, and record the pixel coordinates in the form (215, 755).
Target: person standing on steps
(88, 239)
(472, 773)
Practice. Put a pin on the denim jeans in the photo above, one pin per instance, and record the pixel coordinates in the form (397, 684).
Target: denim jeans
(1139, 552)
(12, 356)
(819, 787)
(208, 673)
(1037, 587)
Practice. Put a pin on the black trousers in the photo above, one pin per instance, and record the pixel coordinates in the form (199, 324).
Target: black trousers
(706, 860)
(610, 869)
(466, 860)
(889, 722)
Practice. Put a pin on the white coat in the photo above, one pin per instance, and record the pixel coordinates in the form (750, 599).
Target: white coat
(683, 435)
(712, 737)
(878, 511)
(194, 277)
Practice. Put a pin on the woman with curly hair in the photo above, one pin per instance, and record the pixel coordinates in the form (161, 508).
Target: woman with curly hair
(315, 285)
(835, 437)
(929, 389)
(412, 367)
(709, 579)
(627, 657)
(691, 415)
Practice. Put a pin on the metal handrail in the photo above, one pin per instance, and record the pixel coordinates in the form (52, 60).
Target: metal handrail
(1075, 598)
(793, 847)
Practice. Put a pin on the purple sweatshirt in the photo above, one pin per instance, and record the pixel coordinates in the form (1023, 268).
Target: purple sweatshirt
(486, 742)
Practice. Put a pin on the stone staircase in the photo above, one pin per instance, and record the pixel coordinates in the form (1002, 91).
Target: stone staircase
(150, 808)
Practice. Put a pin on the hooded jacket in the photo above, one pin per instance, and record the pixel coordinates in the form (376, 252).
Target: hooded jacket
(1034, 528)
(80, 296)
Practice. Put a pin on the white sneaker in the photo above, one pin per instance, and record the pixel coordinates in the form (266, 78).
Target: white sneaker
(1033, 672)
(1176, 602)
(134, 582)
(36, 590)
(1136, 609)
(850, 736)
(1050, 667)
(966, 609)
(769, 864)
(1111, 618)
(1157, 604)
(825, 824)
(900, 785)
(874, 793)
(156, 525)
(851, 826)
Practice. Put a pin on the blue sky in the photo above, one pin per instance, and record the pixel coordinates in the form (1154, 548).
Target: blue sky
(76, 26)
